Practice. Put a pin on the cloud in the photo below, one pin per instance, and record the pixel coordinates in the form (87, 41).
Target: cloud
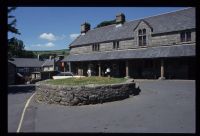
(47, 45)
(50, 44)
(73, 36)
(48, 36)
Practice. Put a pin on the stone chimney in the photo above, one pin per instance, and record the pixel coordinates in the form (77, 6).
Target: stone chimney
(120, 18)
(38, 56)
(50, 57)
(85, 27)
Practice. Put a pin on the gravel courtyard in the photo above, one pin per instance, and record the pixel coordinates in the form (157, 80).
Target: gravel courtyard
(166, 106)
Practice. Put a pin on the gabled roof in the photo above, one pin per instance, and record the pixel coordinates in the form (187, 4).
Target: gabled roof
(49, 62)
(173, 21)
(141, 53)
(26, 62)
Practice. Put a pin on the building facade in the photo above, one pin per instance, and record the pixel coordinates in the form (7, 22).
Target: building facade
(56, 64)
(23, 67)
(161, 46)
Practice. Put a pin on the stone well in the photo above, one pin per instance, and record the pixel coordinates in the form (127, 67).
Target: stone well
(82, 95)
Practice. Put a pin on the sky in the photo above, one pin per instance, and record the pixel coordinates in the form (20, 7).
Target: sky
(54, 28)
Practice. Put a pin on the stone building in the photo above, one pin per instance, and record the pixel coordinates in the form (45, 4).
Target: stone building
(161, 46)
(52, 64)
(23, 67)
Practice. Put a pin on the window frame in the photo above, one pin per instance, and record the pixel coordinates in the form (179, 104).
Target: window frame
(142, 37)
(96, 47)
(116, 45)
(186, 36)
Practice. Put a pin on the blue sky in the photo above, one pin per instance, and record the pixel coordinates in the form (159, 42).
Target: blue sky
(54, 28)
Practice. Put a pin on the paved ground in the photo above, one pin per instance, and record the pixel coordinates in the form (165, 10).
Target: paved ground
(162, 107)
(17, 97)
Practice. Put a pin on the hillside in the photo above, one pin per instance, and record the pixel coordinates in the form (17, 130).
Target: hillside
(57, 52)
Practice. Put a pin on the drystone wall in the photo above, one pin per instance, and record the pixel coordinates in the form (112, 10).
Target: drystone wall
(83, 95)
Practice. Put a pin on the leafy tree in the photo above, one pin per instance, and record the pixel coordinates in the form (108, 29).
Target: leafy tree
(12, 25)
(16, 49)
(63, 52)
(105, 23)
(15, 46)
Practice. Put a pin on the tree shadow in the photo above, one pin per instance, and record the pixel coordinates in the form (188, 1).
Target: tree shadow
(136, 91)
(17, 89)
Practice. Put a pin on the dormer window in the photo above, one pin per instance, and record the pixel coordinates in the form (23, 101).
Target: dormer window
(95, 47)
(185, 36)
(116, 45)
(142, 37)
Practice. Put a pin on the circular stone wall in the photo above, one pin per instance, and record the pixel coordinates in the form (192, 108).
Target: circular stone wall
(82, 95)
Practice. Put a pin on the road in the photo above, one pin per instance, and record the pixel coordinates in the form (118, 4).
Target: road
(17, 97)
(163, 106)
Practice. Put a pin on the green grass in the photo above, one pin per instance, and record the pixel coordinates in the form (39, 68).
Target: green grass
(85, 81)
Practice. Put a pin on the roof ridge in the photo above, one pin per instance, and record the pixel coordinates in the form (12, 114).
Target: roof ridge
(170, 12)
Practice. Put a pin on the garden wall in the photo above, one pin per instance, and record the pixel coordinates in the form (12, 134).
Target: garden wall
(82, 95)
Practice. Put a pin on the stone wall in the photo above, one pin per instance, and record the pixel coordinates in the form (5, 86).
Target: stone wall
(83, 95)
(155, 40)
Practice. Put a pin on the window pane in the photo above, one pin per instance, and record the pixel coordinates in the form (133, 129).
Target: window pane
(140, 40)
(144, 31)
(113, 45)
(183, 37)
(140, 32)
(144, 40)
(188, 36)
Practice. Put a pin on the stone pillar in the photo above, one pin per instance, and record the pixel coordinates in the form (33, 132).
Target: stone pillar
(127, 69)
(69, 63)
(162, 70)
(99, 69)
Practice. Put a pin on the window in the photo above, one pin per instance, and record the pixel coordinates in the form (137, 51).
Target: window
(116, 45)
(185, 36)
(36, 69)
(95, 47)
(20, 70)
(142, 37)
(26, 69)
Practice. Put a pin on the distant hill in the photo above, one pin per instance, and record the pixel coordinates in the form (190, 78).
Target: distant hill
(57, 52)
(46, 54)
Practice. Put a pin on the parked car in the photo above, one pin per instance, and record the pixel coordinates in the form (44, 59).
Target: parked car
(64, 75)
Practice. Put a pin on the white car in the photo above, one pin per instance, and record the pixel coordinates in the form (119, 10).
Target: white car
(64, 75)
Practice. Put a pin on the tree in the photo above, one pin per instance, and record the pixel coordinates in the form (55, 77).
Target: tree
(63, 52)
(15, 46)
(105, 23)
(16, 49)
(12, 25)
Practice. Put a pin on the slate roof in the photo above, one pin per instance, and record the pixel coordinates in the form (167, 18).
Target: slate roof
(26, 62)
(49, 62)
(141, 53)
(173, 21)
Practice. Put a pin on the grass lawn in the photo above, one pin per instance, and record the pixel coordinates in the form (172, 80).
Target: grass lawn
(85, 81)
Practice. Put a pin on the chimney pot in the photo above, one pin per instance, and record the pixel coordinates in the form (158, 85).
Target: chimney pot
(120, 18)
(85, 27)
